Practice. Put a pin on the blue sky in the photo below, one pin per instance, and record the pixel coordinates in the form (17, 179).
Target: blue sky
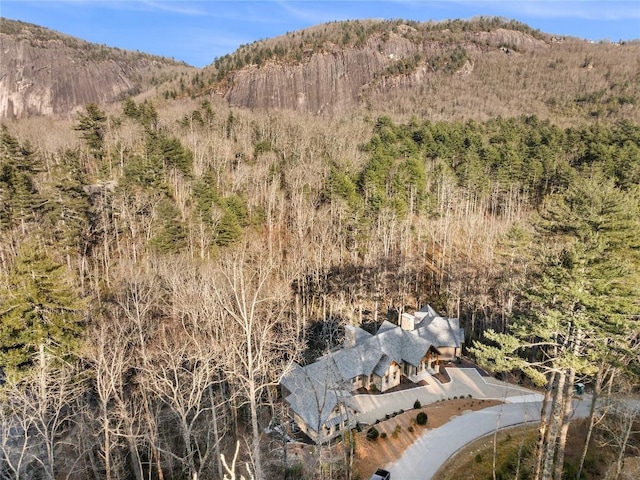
(198, 31)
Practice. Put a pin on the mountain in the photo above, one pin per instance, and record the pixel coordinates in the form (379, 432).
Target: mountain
(45, 72)
(165, 259)
(478, 69)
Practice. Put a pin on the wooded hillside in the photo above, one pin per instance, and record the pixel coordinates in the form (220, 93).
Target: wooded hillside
(164, 261)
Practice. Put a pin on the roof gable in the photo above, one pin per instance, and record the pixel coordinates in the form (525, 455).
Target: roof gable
(319, 387)
(441, 332)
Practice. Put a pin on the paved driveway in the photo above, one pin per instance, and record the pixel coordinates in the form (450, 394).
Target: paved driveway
(464, 382)
(427, 455)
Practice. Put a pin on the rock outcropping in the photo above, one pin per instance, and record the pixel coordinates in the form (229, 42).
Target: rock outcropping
(44, 72)
(333, 79)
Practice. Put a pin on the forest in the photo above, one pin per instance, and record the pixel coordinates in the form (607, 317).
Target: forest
(161, 268)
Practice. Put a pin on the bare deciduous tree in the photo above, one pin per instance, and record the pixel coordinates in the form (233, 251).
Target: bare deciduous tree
(36, 417)
(262, 340)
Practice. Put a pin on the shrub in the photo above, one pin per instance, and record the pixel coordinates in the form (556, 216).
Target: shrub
(383, 435)
(295, 471)
(421, 418)
(417, 404)
(372, 434)
(410, 428)
(478, 458)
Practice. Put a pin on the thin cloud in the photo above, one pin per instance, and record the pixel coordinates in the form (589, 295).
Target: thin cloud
(182, 8)
(171, 6)
(310, 15)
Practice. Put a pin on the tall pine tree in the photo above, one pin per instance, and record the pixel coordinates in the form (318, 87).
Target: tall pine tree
(38, 305)
(580, 303)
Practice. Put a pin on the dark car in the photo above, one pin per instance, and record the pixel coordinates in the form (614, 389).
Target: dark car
(380, 475)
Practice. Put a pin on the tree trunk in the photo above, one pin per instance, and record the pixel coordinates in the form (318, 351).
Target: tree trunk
(216, 434)
(107, 444)
(544, 422)
(151, 424)
(629, 419)
(564, 428)
(186, 438)
(135, 457)
(552, 433)
(592, 418)
(255, 429)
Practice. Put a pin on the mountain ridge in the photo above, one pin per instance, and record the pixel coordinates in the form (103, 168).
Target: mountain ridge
(453, 69)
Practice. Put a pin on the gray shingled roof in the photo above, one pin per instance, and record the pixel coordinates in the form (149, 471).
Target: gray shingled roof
(358, 360)
(361, 335)
(383, 366)
(398, 345)
(317, 388)
(315, 391)
(427, 312)
(385, 327)
(414, 349)
(441, 332)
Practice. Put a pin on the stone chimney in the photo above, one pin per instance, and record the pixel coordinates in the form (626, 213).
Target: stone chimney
(408, 321)
(349, 336)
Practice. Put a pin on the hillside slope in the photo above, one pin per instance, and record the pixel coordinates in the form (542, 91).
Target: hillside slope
(477, 69)
(44, 72)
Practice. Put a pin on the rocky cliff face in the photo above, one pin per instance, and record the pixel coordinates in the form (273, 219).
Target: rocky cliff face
(335, 78)
(325, 81)
(46, 73)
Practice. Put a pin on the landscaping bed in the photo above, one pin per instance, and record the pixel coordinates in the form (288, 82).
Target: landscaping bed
(399, 431)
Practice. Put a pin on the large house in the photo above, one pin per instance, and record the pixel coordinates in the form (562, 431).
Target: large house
(319, 395)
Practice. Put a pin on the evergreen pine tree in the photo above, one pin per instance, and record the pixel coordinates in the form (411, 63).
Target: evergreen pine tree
(19, 198)
(38, 305)
(580, 302)
(92, 124)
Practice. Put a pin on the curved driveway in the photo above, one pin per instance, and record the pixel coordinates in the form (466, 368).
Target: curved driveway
(464, 382)
(427, 455)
